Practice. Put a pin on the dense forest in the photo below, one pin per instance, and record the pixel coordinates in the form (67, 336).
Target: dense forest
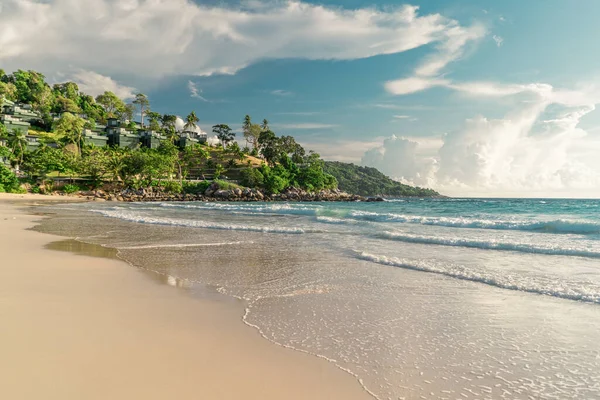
(367, 181)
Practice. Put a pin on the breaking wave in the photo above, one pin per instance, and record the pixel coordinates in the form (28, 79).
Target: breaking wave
(547, 286)
(341, 215)
(132, 217)
(490, 245)
(179, 245)
(555, 226)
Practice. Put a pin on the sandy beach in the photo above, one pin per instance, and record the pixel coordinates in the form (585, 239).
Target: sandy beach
(81, 327)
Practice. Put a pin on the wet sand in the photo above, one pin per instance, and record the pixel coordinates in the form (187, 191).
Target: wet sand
(80, 325)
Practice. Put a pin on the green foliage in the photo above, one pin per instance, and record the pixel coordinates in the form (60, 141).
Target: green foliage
(70, 128)
(153, 120)
(367, 181)
(224, 185)
(113, 106)
(196, 187)
(219, 170)
(172, 187)
(190, 121)
(224, 133)
(252, 178)
(45, 160)
(9, 182)
(70, 188)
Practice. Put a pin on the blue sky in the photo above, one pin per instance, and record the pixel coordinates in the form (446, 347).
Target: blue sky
(470, 97)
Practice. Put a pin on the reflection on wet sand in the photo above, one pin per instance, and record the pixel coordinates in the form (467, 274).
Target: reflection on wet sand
(83, 249)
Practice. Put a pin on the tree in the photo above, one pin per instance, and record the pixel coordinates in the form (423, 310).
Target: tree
(95, 163)
(154, 119)
(268, 145)
(31, 88)
(47, 159)
(168, 126)
(69, 90)
(142, 101)
(191, 121)
(127, 114)
(8, 180)
(219, 170)
(64, 104)
(91, 109)
(8, 90)
(251, 131)
(113, 105)
(224, 133)
(17, 143)
(265, 125)
(70, 128)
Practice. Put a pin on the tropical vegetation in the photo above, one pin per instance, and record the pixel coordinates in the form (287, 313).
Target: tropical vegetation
(267, 161)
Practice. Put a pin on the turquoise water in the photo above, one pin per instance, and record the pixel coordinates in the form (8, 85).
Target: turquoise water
(434, 299)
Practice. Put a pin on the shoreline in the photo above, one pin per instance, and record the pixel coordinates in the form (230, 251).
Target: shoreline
(79, 326)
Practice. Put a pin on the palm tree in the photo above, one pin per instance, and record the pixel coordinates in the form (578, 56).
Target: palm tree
(191, 121)
(17, 142)
(168, 121)
(265, 125)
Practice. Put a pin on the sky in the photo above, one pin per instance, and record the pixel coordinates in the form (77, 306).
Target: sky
(471, 98)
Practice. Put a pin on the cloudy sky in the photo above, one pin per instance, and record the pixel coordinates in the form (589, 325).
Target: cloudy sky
(473, 98)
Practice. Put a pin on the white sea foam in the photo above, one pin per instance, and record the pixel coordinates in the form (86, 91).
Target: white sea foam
(180, 245)
(130, 215)
(559, 226)
(544, 285)
(261, 208)
(332, 220)
(554, 226)
(491, 245)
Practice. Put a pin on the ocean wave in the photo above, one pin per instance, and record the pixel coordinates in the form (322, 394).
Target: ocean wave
(490, 245)
(179, 245)
(543, 285)
(130, 216)
(333, 220)
(283, 208)
(554, 226)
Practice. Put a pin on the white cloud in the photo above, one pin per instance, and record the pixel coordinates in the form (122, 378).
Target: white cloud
(340, 150)
(413, 85)
(163, 37)
(498, 39)
(401, 116)
(520, 154)
(195, 91)
(94, 84)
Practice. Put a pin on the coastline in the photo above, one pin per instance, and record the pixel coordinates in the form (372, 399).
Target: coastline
(77, 326)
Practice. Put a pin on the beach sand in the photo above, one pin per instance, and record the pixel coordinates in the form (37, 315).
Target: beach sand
(81, 327)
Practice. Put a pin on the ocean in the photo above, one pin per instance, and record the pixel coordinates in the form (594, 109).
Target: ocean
(417, 298)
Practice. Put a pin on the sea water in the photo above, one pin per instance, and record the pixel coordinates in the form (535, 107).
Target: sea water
(417, 298)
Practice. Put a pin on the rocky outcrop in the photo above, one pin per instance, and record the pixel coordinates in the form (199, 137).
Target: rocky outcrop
(215, 193)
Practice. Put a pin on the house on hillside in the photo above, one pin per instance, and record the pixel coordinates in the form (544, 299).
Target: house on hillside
(20, 111)
(150, 138)
(189, 138)
(17, 116)
(120, 136)
(95, 136)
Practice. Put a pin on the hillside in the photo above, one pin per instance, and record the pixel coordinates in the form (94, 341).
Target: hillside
(367, 181)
